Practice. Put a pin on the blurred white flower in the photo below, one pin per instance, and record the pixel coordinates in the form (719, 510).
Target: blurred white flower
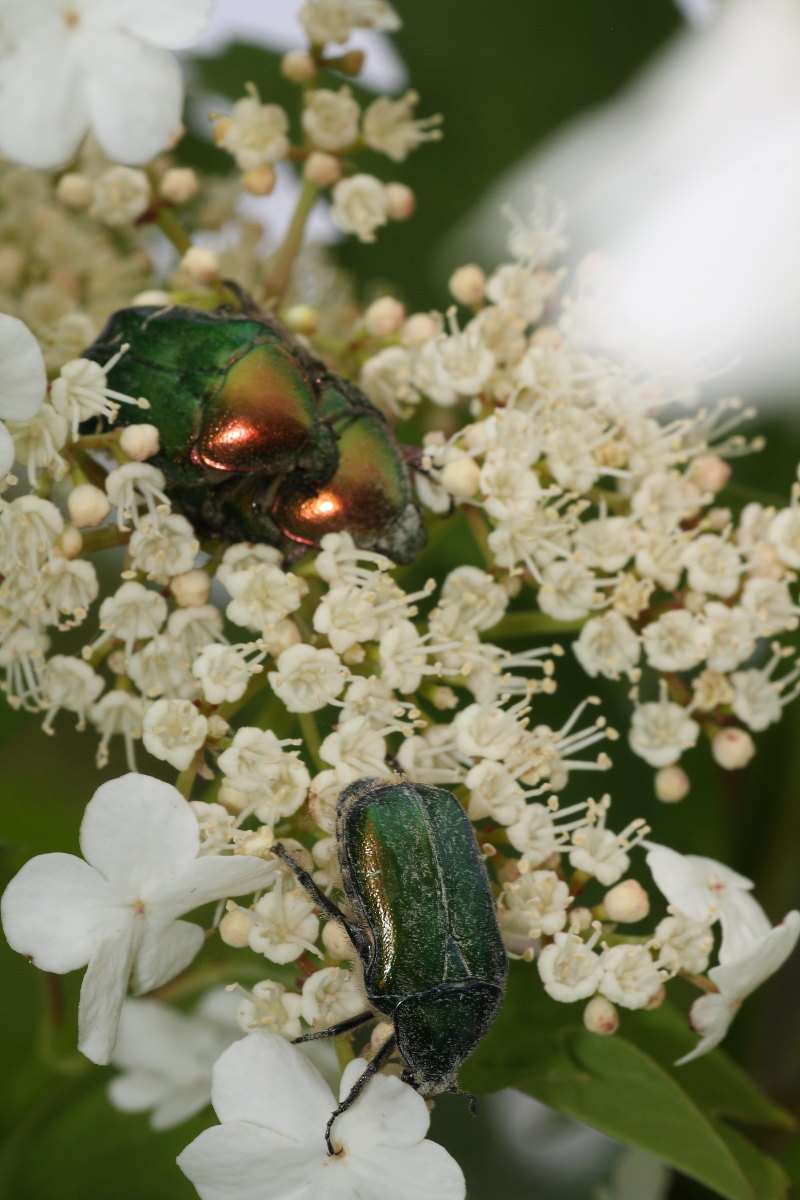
(274, 1106)
(165, 1056)
(23, 381)
(99, 64)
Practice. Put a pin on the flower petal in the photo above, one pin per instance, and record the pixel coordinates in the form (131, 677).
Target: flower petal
(135, 93)
(23, 378)
(425, 1171)
(392, 1114)
(743, 923)
(175, 24)
(265, 1080)
(43, 110)
(711, 1015)
(7, 451)
(211, 878)
(139, 833)
(241, 1161)
(164, 952)
(54, 910)
(103, 991)
(743, 975)
(685, 880)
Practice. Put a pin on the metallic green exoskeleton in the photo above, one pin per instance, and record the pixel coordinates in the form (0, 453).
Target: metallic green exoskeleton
(422, 918)
(259, 441)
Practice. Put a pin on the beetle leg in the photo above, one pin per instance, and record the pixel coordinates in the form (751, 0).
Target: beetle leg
(335, 1030)
(331, 910)
(372, 1069)
(473, 1103)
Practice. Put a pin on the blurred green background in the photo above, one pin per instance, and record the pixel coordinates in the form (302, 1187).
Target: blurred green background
(505, 76)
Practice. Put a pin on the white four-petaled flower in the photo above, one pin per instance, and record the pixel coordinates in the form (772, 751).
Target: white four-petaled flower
(274, 1106)
(71, 65)
(118, 911)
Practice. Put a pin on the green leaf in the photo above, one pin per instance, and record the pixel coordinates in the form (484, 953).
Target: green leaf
(627, 1087)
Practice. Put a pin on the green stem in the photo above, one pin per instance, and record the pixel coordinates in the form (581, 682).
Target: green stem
(311, 739)
(172, 229)
(533, 624)
(280, 270)
(102, 539)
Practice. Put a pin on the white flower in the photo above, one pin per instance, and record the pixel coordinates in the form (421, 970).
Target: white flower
(332, 995)
(685, 944)
(23, 379)
(731, 635)
(270, 1007)
(284, 924)
(713, 565)
(630, 977)
(255, 133)
(661, 731)
(117, 912)
(307, 679)
(331, 118)
(569, 969)
(274, 1106)
(706, 890)
(534, 904)
(360, 206)
(390, 127)
(676, 641)
(607, 646)
(262, 596)
(101, 64)
(256, 763)
(711, 1015)
(174, 731)
(166, 1056)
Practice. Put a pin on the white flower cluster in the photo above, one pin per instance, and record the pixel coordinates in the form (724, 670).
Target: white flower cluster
(605, 516)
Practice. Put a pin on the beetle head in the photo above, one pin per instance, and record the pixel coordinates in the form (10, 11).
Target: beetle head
(436, 1030)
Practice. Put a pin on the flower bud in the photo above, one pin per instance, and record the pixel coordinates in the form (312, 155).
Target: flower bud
(671, 784)
(419, 329)
(467, 285)
(400, 201)
(201, 264)
(351, 62)
(179, 185)
(234, 928)
(298, 66)
(627, 902)
(600, 1016)
(301, 318)
(152, 296)
(191, 589)
(140, 442)
(12, 266)
(384, 317)
(260, 181)
(336, 942)
(234, 800)
(580, 918)
(322, 169)
(121, 196)
(462, 477)
(732, 748)
(70, 543)
(710, 472)
(88, 506)
(219, 728)
(75, 191)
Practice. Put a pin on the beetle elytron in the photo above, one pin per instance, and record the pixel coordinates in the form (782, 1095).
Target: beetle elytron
(423, 922)
(259, 440)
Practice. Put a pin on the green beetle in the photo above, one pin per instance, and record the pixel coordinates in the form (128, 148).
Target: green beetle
(422, 919)
(259, 441)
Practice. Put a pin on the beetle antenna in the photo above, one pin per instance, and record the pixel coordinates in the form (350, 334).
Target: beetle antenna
(372, 1069)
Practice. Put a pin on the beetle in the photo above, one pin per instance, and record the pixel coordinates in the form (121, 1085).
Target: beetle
(423, 922)
(259, 440)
